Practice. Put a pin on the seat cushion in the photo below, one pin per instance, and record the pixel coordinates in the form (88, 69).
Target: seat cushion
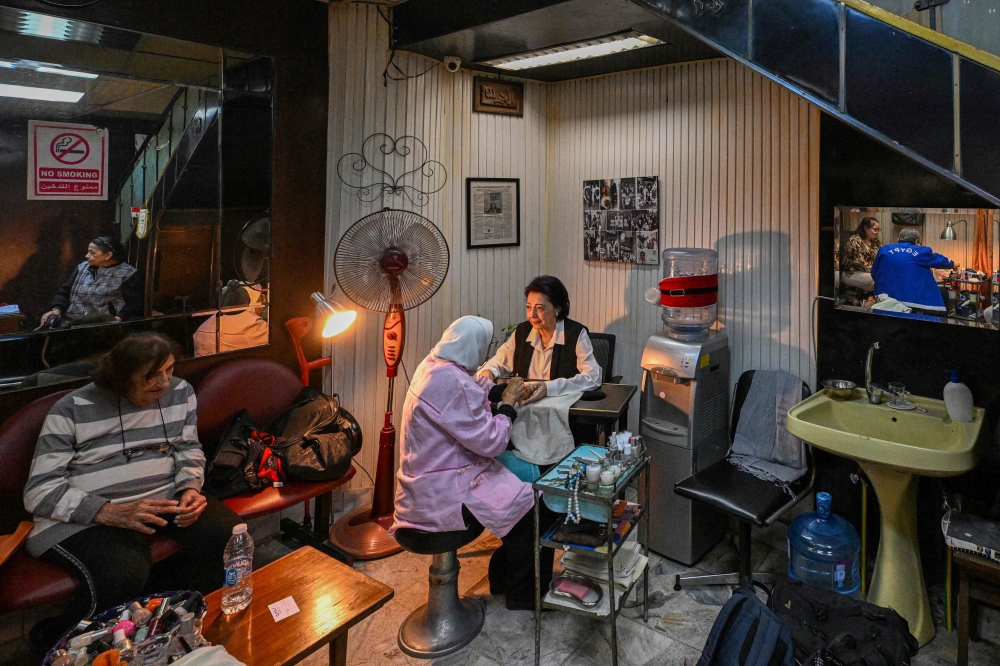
(433, 543)
(269, 500)
(18, 436)
(725, 487)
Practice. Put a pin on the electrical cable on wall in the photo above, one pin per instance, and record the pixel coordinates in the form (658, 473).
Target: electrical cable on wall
(402, 76)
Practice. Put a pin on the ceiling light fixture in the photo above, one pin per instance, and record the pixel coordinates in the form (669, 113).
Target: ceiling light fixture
(588, 48)
(8, 65)
(67, 72)
(43, 25)
(40, 94)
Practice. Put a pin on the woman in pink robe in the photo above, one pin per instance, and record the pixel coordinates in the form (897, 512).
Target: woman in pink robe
(448, 441)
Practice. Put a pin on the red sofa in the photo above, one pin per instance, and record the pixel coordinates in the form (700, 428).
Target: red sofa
(265, 388)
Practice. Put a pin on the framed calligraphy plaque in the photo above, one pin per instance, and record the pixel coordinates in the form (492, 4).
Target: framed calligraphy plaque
(496, 96)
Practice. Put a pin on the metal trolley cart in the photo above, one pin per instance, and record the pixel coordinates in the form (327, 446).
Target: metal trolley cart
(601, 499)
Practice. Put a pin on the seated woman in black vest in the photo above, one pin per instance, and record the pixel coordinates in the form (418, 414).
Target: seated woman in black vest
(553, 354)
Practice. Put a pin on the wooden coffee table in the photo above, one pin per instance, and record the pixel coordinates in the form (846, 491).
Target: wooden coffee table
(331, 596)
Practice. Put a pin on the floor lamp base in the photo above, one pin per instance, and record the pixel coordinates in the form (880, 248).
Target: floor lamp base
(362, 538)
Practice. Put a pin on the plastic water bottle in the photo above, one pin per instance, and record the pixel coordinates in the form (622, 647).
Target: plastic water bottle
(824, 550)
(239, 571)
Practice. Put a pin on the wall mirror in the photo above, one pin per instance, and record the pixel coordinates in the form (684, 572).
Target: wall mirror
(933, 264)
(160, 149)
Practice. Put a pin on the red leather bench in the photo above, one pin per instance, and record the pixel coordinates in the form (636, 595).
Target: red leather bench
(263, 387)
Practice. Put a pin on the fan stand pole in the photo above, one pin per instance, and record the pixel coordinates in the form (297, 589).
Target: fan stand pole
(363, 532)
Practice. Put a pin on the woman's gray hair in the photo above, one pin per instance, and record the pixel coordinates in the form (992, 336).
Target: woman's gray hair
(909, 236)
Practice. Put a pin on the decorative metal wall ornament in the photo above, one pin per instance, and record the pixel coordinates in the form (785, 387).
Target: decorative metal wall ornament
(711, 6)
(392, 166)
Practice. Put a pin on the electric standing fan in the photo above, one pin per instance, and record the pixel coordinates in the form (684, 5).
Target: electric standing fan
(389, 261)
(252, 255)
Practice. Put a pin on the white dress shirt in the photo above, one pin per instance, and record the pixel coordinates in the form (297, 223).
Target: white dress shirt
(239, 331)
(502, 364)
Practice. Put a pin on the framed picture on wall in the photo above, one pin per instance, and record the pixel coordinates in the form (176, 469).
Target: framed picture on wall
(621, 220)
(493, 212)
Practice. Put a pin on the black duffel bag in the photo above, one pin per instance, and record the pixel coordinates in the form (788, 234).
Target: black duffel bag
(315, 438)
(233, 469)
(832, 628)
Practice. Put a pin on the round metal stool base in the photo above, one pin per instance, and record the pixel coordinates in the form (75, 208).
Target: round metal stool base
(425, 635)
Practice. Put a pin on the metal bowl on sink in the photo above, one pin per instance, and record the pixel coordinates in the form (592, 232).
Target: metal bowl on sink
(839, 389)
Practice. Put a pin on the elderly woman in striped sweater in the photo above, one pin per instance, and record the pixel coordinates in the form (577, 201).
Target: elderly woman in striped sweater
(116, 460)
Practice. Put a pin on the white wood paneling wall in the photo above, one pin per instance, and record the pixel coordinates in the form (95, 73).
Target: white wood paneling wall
(437, 108)
(738, 163)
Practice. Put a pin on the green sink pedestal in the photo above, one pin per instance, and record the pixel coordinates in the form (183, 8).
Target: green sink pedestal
(898, 581)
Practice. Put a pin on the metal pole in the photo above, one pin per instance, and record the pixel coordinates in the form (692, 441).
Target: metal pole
(538, 586)
(613, 615)
(645, 551)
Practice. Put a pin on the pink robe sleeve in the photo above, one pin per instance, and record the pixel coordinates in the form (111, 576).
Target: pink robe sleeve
(467, 419)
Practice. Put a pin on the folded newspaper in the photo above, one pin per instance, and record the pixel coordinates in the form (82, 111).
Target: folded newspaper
(971, 533)
(584, 563)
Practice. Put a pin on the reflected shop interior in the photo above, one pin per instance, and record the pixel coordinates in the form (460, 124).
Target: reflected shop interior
(931, 264)
(185, 188)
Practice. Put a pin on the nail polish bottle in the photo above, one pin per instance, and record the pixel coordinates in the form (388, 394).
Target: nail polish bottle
(61, 658)
(123, 644)
(156, 625)
(140, 616)
(83, 640)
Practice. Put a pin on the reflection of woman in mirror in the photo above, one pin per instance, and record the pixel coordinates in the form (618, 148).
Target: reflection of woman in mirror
(240, 328)
(859, 253)
(102, 288)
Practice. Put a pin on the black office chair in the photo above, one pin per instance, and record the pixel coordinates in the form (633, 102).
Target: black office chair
(604, 352)
(447, 622)
(724, 487)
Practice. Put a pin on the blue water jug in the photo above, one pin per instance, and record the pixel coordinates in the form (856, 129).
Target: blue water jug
(824, 550)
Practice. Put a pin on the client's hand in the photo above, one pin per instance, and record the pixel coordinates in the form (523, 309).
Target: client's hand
(512, 394)
(534, 391)
(191, 506)
(48, 315)
(136, 515)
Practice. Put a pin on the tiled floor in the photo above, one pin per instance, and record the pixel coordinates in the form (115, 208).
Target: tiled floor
(679, 622)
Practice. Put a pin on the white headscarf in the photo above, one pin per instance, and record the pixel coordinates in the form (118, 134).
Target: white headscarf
(465, 343)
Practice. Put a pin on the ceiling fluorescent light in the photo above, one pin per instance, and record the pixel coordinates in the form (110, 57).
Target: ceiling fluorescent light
(589, 48)
(8, 65)
(67, 72)
(40, 94)
(43, 25)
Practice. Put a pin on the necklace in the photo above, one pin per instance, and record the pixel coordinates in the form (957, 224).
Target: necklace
(573, 513)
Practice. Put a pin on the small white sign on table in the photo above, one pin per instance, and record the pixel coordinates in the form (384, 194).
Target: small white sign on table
(284, 608)
(67, 161)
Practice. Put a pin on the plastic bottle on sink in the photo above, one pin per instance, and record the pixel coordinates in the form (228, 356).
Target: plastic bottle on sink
(958, 399)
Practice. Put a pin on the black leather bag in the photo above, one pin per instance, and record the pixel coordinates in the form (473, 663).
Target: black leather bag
(908, 218)
(827, 625)
(315, 437)
(233, 469)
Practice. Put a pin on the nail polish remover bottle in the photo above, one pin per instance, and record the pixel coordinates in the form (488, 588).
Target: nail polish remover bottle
(958, 399)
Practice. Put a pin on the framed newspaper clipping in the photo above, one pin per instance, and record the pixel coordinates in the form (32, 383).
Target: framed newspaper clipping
(493, 214)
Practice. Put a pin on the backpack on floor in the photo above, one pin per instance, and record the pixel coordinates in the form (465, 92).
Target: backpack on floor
(832, 628)
(747, 633)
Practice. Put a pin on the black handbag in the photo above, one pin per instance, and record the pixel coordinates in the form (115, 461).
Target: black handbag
(233, 469)
(315, 438)
(908, 218)
(832, 628)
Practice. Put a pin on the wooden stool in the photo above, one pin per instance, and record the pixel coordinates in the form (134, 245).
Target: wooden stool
(979, 580)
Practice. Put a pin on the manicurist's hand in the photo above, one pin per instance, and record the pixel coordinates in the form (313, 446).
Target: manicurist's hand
(137, 516)
(513, 392)
(534, 391)
(48, 315)
(191, 506)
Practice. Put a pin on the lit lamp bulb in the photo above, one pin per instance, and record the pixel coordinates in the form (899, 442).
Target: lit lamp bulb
(336, 318)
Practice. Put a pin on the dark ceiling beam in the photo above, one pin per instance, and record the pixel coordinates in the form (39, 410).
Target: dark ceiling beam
(419, 20)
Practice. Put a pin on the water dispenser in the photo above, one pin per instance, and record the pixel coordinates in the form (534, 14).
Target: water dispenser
(688, 292)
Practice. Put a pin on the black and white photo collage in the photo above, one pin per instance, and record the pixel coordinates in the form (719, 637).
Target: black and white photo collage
(621, 220)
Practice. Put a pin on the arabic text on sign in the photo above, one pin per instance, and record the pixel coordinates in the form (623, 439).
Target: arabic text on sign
(495, 97)
(56, 186)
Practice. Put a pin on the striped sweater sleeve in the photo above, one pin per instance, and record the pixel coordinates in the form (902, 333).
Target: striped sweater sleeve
(48, 493)
(189, 459)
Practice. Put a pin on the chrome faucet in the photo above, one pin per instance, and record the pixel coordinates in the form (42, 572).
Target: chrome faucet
(874, 392)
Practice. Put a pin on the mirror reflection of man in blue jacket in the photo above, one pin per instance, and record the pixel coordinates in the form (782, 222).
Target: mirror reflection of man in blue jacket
(903, 271)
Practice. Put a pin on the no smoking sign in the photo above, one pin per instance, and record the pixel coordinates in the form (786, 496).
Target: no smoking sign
(67, 161)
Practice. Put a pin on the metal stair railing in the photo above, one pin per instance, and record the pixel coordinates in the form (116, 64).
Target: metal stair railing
(163, 156)
(920, 92)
